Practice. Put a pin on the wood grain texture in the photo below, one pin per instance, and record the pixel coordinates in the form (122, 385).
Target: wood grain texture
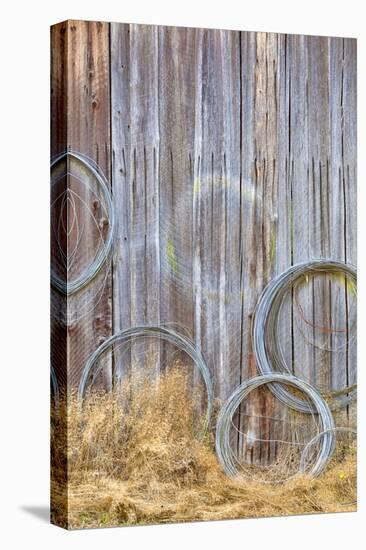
(177, 73)
(135, 146)
(84, 124)
(261, 247)
(89, 132)
(58, 331)
(58, 82)
(233, 156)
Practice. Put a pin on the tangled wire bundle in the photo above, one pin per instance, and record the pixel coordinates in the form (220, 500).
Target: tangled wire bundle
(82, 280)
(305, 455)
(93, 366)
(265, 328)
(307, 451)
(224, 451)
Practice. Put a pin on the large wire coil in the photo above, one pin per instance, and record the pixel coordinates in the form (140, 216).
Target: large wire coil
(93, 366)
(265, 328)
(224, 451)
(88, 274)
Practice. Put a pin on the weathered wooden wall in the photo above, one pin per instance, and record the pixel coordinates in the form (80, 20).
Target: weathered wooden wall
(231, 156)
(80, 110)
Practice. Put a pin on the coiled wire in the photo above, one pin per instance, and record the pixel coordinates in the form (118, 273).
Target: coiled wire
(93, 367)
(71, 287)
(265, 328)
(224, 451)
(316, 439)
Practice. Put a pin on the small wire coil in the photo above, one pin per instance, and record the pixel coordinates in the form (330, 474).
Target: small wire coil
(314, 441)
(306, 451)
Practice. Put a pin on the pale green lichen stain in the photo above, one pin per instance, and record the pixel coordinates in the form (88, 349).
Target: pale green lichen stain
(351, 286)
(216, 182)
(196, 186)
(172, 258)
(272, 247)
(340, 278)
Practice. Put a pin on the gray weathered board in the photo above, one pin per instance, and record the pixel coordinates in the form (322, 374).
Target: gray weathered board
(231, 155)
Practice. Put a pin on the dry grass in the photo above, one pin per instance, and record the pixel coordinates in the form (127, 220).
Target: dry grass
(132, 458)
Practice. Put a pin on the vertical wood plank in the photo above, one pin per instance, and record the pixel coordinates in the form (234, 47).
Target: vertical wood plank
(58, 332)
(120, 126)
(260, 99)
(349, 139)
(59, 38)
(216, 205)
(177, 88)
(88, 131)
(319, 206)
(135, 139)
(299, 174)
(121, 149)
(338, 228)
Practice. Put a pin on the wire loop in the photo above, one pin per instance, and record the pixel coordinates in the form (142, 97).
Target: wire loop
(82, 280)
(167, 334)
(265, 328)
(224, 451)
